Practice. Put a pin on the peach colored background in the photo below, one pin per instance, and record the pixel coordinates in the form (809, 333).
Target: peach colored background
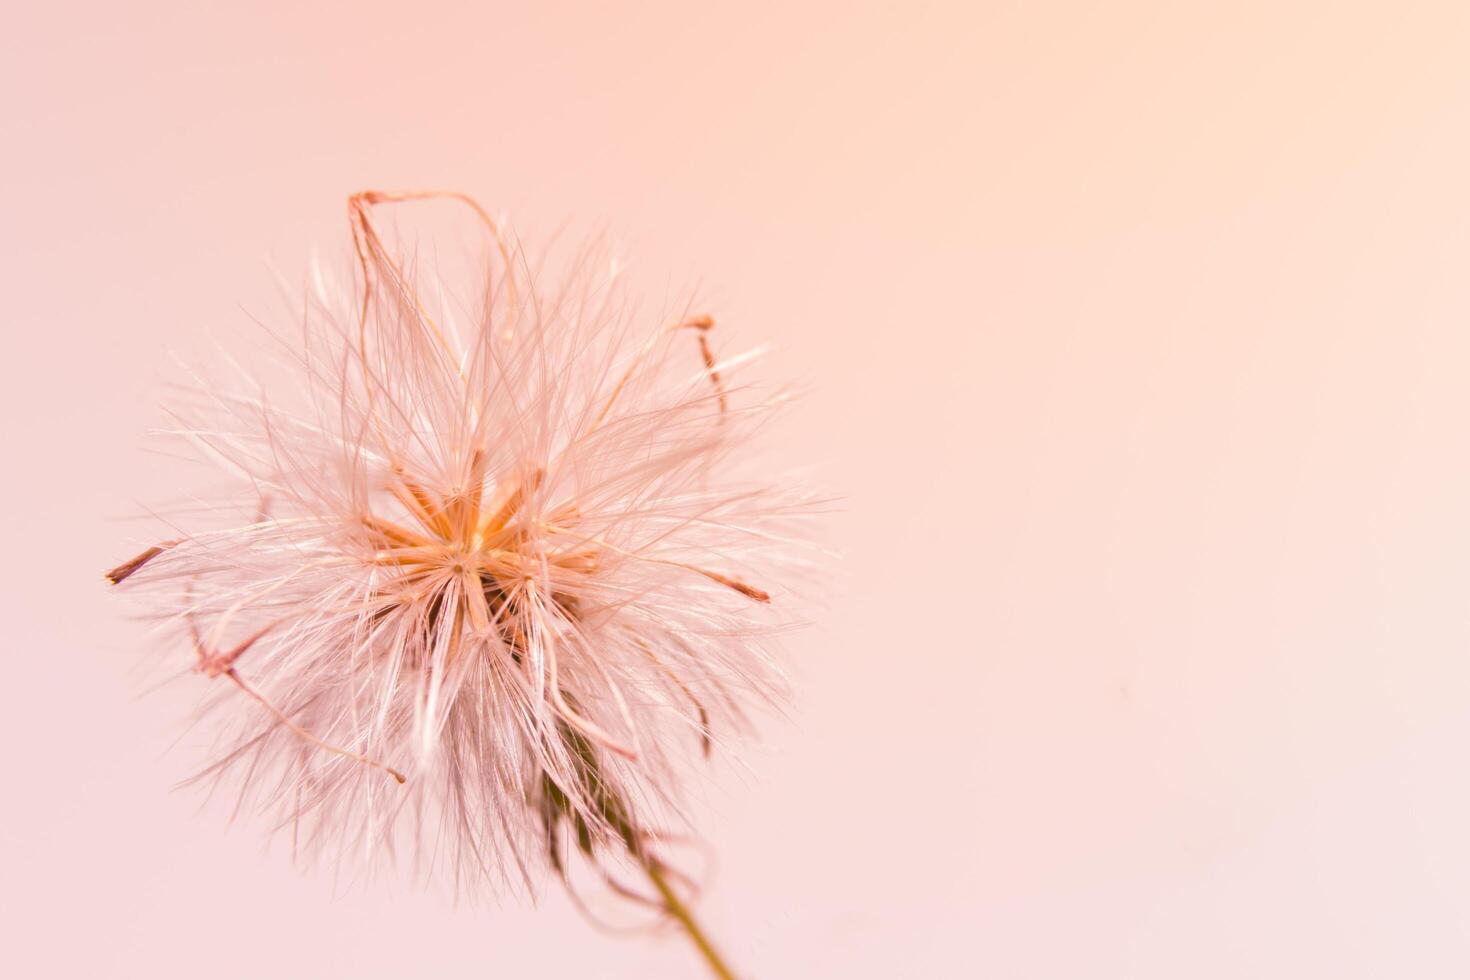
(1137, 337)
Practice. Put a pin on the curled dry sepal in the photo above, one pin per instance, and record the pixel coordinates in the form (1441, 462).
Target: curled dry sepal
(510, 580)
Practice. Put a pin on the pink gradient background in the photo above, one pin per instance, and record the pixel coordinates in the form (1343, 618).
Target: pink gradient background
(1137, 338)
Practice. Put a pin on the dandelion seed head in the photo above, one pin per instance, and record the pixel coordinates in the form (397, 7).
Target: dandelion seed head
(503, 566)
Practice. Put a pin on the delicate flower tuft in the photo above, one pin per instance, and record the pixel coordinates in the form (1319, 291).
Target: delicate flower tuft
(504, 577)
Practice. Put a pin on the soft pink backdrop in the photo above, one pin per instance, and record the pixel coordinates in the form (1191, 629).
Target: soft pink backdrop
(1137, 338)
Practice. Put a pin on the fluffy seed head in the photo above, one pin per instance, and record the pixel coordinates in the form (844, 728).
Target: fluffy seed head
(502, 578)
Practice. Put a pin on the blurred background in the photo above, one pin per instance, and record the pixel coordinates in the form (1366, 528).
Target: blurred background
(1135, 337)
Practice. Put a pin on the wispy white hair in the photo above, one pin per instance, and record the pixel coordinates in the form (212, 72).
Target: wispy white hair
(506, 580)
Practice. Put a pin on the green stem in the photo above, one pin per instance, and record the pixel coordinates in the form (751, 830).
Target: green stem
(676, 907)
(557, 806)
